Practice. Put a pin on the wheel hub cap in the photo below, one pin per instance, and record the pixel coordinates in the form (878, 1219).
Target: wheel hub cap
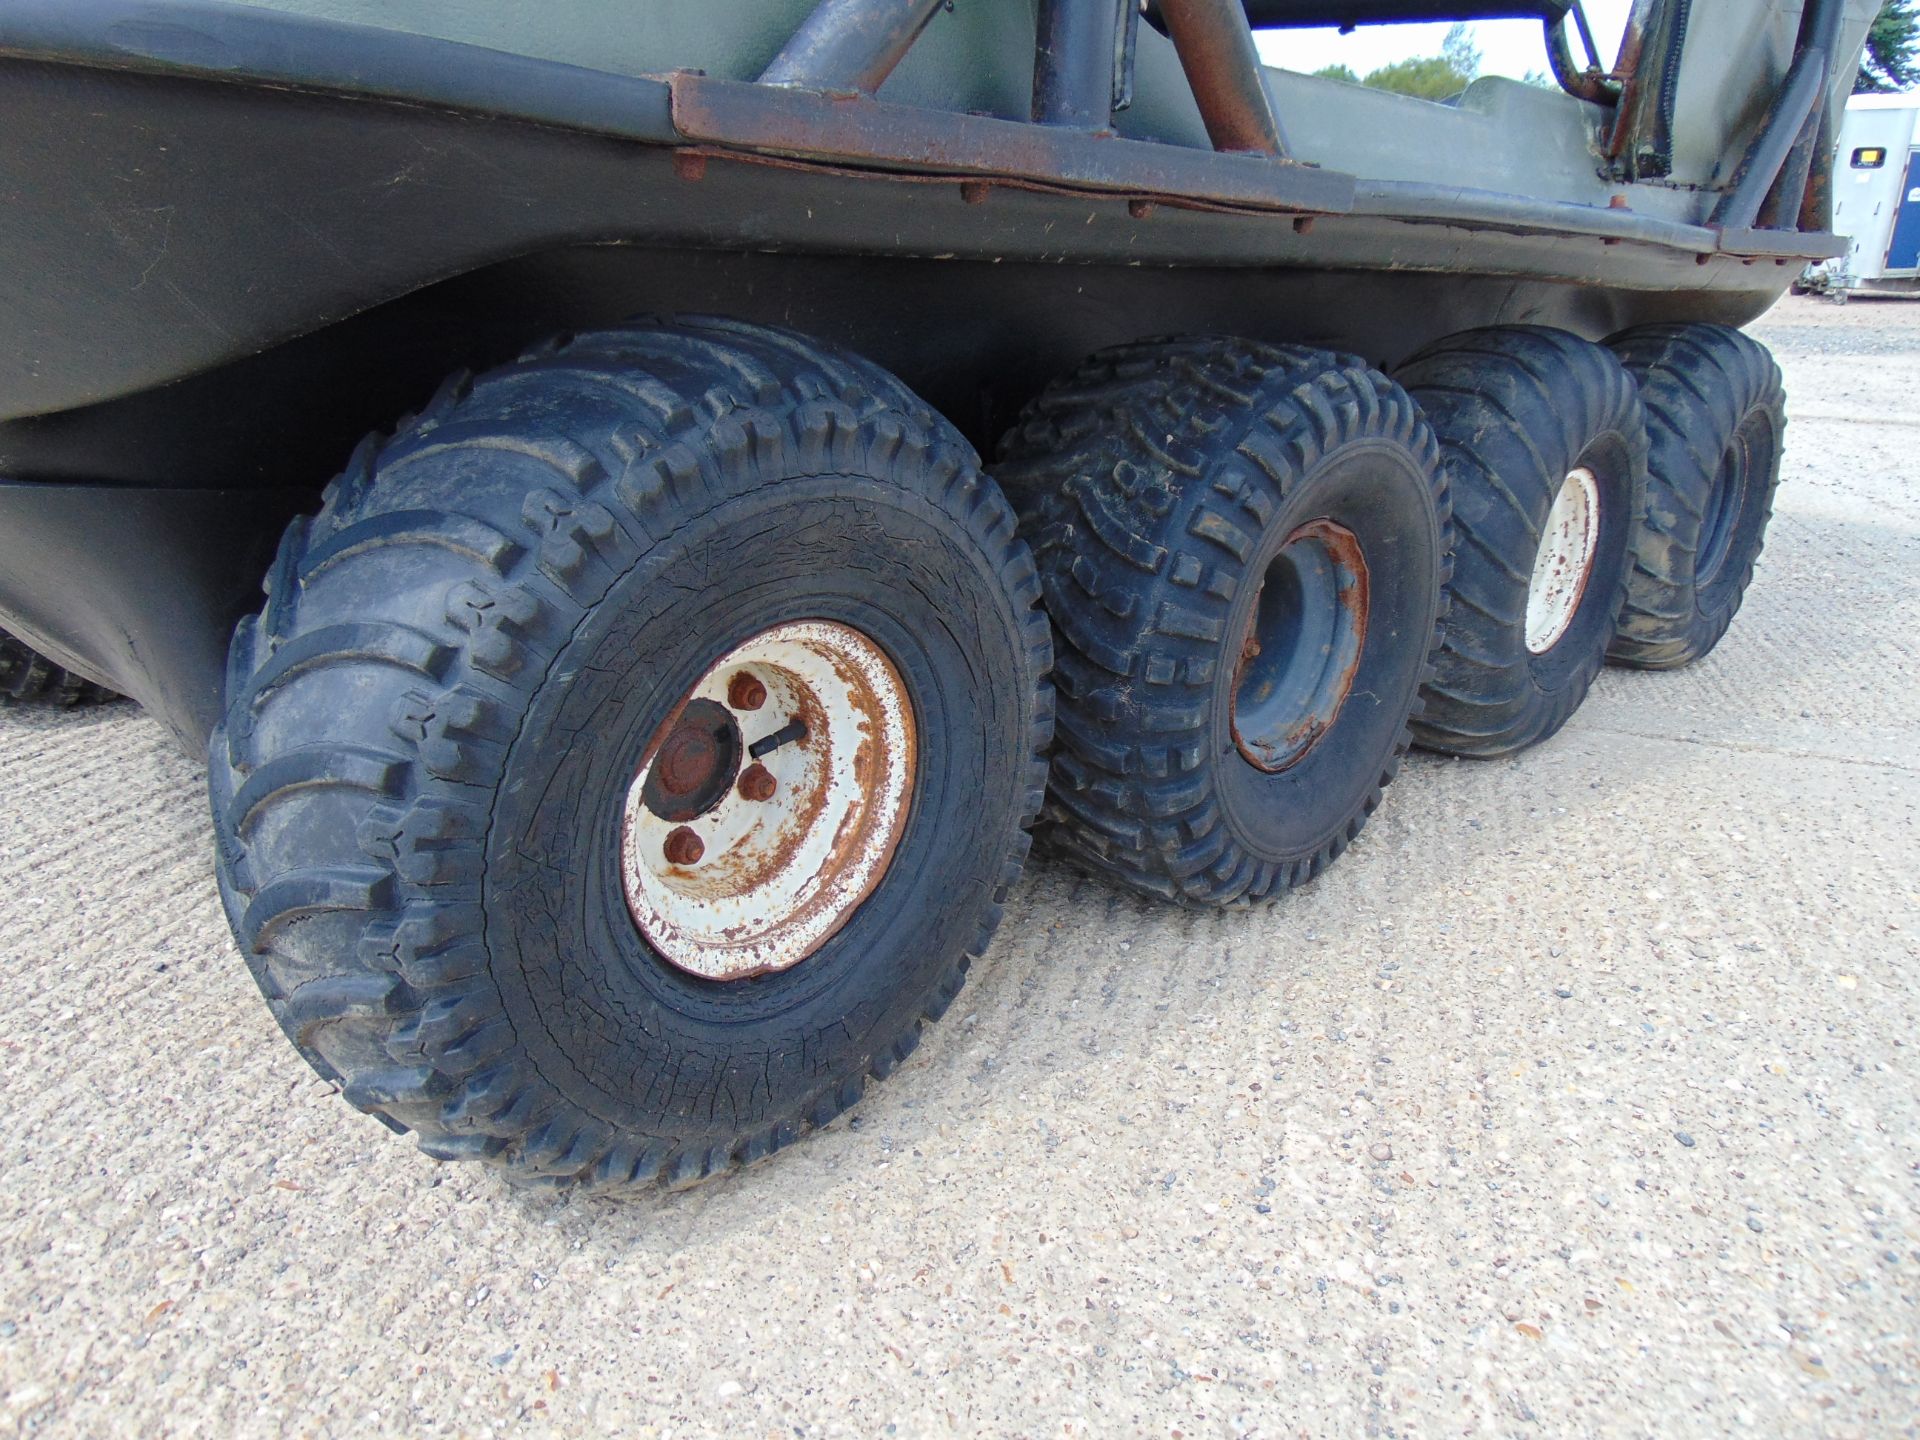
(1563, 561)
(1302, 645)
(786, 772)
(696, 763)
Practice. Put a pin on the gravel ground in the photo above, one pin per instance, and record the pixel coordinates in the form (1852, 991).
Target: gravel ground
(1580, 1097)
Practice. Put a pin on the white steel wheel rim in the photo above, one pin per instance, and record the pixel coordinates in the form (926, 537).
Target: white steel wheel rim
(779, 876)
(1563, 561)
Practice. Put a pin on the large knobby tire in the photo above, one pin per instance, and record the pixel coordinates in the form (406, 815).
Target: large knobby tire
(1210, 516)
(424, 785)
(1716, 419)
(1546, 455)
(29, 678)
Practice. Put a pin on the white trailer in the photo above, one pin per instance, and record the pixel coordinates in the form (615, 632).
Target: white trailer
(1876, 200)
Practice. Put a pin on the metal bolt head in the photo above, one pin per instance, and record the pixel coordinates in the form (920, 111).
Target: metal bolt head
(745, 692)
(683, 847)
(757, 783)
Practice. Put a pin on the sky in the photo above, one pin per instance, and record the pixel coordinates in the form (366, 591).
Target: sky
(1507, 47)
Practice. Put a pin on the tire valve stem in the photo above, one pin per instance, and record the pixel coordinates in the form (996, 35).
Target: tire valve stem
(788, 733)
(683, 846)
(757, 783)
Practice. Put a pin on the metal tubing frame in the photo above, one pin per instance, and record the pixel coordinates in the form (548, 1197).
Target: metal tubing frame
(1346, 14)
(1781, 208)
(1075, 58)
(1787, 196)
(1630, 68)
(849, 45)
(1816, 199)
(1579, 13)
(1215, 45)
(1788, 118)
(1594, 85)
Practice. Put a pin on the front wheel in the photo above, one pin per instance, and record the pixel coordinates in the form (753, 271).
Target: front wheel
(632, 753)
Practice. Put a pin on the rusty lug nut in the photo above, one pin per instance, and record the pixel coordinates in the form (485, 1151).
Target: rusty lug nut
(683, 847)
(745, 692)
(757, 783)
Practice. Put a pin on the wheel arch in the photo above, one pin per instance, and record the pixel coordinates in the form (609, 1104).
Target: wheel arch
(224, 457)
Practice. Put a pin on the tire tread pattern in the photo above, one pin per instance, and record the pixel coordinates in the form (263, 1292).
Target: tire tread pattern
(1698, 383)
(29, 678)
(519, 496)
(1513, 407)
(1145, 481)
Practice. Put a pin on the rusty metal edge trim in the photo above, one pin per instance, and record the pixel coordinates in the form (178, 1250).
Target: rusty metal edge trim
(1419, 202)
(1783, 244)
(853, 129)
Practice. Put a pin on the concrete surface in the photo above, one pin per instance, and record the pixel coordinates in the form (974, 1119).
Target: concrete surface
(1579, 1098)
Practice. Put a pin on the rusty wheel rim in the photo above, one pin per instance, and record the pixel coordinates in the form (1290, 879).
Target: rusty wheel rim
(770, 803)
(1302, 645)
(1564, 560)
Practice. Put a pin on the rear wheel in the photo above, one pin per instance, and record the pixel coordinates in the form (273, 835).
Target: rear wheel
(29, 678)
(632, 753)
(1546, 455)
(1716, 416)
(1241, 547)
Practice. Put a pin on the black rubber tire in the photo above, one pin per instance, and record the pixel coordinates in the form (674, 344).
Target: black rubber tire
(433, 724)
(29, 678)
(1716, 422)
(1155, 484)
(1516, 410)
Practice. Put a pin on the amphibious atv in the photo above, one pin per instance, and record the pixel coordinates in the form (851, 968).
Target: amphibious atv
(646, 715)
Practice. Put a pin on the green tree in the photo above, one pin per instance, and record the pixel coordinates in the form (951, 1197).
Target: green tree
(1338, 72)
(1433, 77)
(1889, 61)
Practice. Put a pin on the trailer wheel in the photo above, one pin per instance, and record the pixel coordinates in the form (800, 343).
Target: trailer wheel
(29, 678)
(1546, 455)
(632, 752)
(1716, 415)
(1242, 547)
